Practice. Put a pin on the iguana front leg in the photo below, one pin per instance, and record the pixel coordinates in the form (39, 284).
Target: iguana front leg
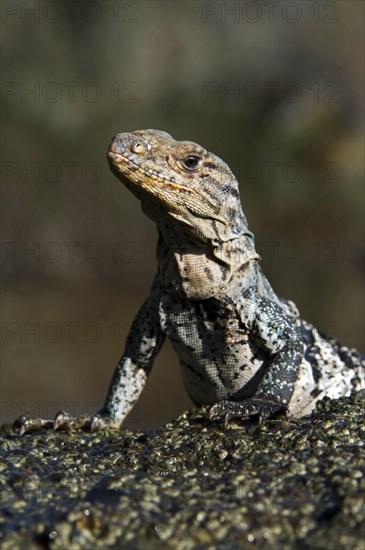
(281, 337)
(143, 343)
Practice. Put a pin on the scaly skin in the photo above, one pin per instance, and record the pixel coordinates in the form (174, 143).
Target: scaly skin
(241, 348)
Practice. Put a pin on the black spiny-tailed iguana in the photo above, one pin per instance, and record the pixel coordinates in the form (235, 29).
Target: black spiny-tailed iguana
(241, 348)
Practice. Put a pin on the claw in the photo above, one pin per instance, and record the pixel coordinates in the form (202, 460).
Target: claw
(25, 424)
(218, 409)
(227, 418)
(64, 421)
(98, 422)
(213, 411)
(264, 408)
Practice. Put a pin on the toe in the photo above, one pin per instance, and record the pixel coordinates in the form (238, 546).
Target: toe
(62, 420)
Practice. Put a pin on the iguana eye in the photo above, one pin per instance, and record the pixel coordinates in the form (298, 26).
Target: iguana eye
(191, 162)
(137, 147)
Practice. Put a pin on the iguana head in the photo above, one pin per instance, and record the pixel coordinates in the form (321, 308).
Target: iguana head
(191, 184)
(191, 194)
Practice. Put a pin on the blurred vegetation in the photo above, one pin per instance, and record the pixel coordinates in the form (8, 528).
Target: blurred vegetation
(279, 99)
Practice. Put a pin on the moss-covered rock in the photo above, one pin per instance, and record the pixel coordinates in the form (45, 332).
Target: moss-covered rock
(289, 483)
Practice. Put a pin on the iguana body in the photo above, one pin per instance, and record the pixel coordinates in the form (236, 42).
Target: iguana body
(241, 348)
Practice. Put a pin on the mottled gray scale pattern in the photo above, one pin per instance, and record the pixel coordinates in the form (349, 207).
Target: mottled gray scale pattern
(240, 346)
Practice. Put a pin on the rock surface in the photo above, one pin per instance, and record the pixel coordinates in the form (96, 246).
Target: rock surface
(286, 484)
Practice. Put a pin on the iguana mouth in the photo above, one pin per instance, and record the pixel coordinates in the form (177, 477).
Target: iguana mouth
(152, 177)
(119, 159)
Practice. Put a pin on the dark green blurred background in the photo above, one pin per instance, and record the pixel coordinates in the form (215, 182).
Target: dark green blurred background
(275, 89)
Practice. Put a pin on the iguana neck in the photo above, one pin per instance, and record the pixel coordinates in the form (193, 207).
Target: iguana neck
(200, 270)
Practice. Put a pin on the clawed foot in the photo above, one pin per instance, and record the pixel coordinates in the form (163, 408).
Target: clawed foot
(64, 421)
(256, 406)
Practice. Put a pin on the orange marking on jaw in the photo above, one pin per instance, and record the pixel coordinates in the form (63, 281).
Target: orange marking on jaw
(149, 179)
